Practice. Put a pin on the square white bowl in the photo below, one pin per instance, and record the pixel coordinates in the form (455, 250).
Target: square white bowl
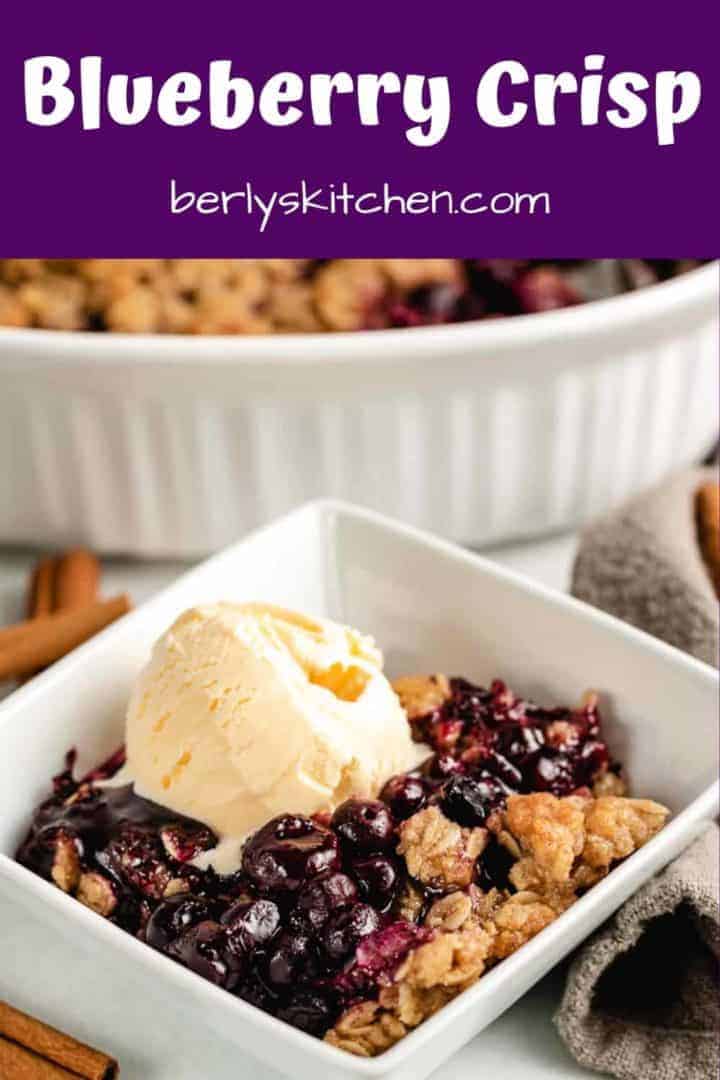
(431, 606)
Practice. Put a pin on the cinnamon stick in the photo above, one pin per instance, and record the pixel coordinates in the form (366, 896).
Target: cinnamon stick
(36, 643)
(77, 578)
(707, 508)
(31, 1050)
(63, 583)
(41, 594)
(17, 1063)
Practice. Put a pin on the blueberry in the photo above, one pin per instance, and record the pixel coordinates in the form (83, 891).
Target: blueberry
(405, 795)
(346, 928)
(308, 1011)
(287, 852)
(378, 878)
(293, 957)
(469, 800)
(364, 825)
(493, 867)
(204, 949)
(255, 922)
(174, 916)
(322, 896)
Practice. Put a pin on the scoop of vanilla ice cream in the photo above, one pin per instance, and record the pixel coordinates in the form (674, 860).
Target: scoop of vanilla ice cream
(246, 711)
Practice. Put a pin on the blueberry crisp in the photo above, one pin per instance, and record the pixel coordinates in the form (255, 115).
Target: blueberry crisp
(356, 924)
(262, 296)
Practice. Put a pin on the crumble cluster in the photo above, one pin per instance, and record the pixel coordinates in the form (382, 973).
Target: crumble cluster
(263, 296)
(438, 852)
(422, 694)
(564, 845)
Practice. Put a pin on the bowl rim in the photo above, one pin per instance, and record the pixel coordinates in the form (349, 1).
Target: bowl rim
(604, 317)
(327, 512)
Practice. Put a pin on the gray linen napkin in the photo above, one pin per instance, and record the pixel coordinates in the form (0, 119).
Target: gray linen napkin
(641, 999)
(643, 564)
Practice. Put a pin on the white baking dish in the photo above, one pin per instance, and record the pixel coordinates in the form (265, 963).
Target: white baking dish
(166, 445)
(433, 607)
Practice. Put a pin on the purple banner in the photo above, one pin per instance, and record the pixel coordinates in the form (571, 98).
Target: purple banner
(376, 129)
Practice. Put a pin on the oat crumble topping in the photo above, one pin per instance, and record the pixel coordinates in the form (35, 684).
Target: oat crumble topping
(265, 296)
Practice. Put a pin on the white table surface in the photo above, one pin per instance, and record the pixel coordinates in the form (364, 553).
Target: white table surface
(80, 993)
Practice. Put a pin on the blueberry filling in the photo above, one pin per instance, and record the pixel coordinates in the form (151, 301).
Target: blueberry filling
(495, 288)
(492, 743)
